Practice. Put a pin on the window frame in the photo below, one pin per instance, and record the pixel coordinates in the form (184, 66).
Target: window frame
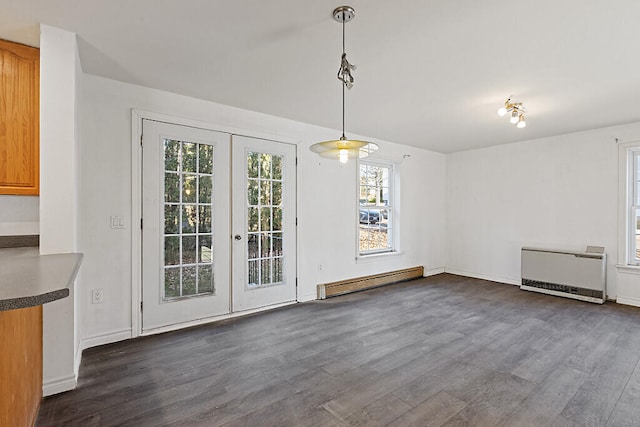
(392, 207)
(632, 204)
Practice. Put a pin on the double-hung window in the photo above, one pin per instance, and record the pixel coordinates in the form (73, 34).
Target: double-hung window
(376, 208)
(633, 206)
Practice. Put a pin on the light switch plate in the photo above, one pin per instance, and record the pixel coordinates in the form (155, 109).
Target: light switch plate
(118, 222)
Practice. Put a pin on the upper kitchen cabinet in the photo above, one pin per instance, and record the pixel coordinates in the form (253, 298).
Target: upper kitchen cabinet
(19, 119)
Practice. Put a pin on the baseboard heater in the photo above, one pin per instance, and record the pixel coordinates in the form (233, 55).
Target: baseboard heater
(342, 287)
(571, 274)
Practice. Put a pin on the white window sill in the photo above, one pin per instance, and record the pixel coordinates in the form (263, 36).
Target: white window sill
(628, 268)
(377, 257)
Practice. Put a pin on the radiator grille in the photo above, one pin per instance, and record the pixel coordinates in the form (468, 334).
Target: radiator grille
(574, 290)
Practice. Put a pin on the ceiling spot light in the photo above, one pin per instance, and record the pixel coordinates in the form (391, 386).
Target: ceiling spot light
(517, 111)
(344, 149)
(521, 123)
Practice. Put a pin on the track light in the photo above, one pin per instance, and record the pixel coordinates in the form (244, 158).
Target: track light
(517, 112)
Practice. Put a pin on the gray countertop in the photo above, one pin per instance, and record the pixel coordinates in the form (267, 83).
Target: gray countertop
(28, 279)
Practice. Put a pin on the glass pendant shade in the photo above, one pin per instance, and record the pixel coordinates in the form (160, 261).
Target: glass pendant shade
(343, 149)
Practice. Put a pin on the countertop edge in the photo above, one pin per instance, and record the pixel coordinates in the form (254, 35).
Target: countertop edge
(46, 297)
(33, 300)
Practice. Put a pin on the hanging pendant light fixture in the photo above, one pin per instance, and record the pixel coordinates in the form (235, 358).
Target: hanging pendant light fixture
(344, 149)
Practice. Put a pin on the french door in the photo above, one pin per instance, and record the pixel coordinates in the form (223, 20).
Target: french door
(264, 223)
(193, 266)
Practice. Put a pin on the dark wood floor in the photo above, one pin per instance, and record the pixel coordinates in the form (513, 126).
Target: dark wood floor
(444, 350)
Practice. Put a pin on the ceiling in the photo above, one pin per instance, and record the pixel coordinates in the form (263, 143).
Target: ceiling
(430, 74)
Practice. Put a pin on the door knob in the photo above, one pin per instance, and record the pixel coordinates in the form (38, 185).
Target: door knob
(237, 237)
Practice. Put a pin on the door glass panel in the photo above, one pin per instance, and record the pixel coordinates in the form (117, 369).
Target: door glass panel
(264, 219)
(188, 218)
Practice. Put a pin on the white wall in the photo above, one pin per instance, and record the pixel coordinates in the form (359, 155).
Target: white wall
(557, 192)
(19, 215)
(326, 199)
(59, 68)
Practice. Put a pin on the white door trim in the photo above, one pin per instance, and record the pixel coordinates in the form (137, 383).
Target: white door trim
(137, 116)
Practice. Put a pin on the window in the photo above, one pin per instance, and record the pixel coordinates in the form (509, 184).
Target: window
(376, 208)
(633, 206)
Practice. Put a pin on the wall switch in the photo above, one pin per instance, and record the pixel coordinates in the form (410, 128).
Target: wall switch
(118, 222)
(96, 296)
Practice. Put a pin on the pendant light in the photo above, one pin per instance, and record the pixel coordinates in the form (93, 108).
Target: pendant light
(344, 149)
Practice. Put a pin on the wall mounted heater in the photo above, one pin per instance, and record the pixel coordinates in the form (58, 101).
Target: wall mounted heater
(571, 274)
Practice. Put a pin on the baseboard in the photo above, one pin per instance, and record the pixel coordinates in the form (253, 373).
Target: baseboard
(515, 282)
(433, 271)
(342, 287)
(105, 338)
(77, 361)
(628, 301)
(59, 385)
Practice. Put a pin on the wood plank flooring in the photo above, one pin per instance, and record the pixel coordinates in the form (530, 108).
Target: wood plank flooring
(439, 351)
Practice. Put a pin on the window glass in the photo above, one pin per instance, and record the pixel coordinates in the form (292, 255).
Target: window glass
(376, 210)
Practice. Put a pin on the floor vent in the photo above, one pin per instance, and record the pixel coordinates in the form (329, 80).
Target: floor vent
(342, 287)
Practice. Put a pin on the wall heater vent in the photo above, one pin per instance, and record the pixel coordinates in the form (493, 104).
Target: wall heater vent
(571, 274)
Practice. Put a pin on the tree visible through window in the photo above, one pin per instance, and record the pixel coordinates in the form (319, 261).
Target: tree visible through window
(376, 210)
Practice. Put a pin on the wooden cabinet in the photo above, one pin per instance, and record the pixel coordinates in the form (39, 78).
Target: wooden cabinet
(19, 119)
(20, 366)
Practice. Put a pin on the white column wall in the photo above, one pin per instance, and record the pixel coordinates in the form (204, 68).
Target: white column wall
(326, 199)
(59, 178)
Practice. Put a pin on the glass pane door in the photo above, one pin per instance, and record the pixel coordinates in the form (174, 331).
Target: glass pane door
(264, 220)
(188, 207)
(185, 239)
(264, 251)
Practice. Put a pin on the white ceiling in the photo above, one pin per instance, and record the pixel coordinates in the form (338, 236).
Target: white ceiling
(431, 74)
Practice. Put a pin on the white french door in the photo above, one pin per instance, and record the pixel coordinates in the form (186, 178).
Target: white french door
(185, 211)
(264, 223)
(192, 265)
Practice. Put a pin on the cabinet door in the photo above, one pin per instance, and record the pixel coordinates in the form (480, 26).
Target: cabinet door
(19, 119)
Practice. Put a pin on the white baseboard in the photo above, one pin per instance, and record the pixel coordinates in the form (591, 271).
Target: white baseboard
(628, 301)
(515, 282)
(308, 297)
(433, 271)
(59, 385)
(78, 359)
(105, 338)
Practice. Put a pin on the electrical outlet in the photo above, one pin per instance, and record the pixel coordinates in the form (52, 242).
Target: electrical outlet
(320, 267)
(96, 296)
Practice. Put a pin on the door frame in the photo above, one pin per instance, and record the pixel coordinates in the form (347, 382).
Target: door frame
(137, 117)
